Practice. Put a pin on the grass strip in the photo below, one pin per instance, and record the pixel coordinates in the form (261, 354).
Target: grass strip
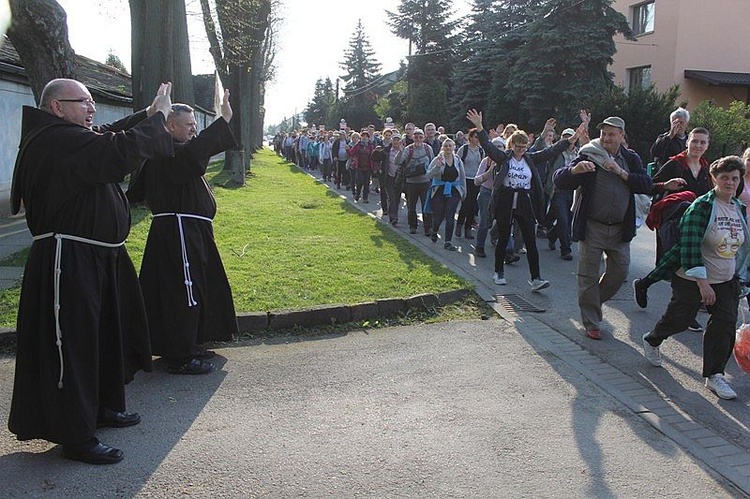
(288, 242)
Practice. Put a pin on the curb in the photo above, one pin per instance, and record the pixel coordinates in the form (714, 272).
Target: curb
(326, 315)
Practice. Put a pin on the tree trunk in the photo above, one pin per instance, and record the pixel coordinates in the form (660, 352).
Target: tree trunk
(39, 33)
(234, 161)
(160, 51)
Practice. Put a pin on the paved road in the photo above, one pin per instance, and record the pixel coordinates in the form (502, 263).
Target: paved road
(518, 406)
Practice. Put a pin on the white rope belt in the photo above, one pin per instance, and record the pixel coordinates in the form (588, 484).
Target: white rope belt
(58, 273)
(185, 261)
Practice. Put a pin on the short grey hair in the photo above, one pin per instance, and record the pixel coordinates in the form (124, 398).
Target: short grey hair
(680, 112)
(178, 108)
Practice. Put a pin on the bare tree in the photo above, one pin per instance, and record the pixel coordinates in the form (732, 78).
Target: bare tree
(235, 31)
(160, 50)
(39, 32)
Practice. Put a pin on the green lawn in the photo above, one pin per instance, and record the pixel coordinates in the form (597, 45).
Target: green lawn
(289, 242)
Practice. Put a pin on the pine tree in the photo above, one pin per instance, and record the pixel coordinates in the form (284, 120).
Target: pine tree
(321, 106)
(433, 42)
(359, 62)
(362, 75)
(562, 66)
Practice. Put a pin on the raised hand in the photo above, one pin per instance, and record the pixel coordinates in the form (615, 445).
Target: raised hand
(585, 116)
(475, 118)
(162, 101)
(550, 124)
(226, 108)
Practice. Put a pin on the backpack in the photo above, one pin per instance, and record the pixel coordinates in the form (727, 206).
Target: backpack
(465, 152)
(415, 170)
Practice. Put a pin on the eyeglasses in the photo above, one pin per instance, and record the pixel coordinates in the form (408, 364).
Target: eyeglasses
(83, 100)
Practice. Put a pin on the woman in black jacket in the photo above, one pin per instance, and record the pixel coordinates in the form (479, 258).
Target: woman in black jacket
(517, 192)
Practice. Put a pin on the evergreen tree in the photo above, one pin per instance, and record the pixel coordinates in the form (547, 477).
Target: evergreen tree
(562, 64)
(472, 75)
(359, 62)
(319, 110)
(362, 75)
(428, 26)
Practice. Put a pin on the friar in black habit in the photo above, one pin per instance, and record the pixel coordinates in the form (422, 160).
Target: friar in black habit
(82, 331)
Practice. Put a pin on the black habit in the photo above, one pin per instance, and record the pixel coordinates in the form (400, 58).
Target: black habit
(183, 316)
(67, 180)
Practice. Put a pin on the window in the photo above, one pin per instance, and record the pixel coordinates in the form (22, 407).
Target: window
(639, 77)
(643, 18)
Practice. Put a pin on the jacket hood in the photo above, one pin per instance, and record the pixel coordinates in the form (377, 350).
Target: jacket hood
(32, 118)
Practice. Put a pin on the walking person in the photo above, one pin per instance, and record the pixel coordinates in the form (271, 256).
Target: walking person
(608, 175)
(447, 190)
(517, 194)
(471, 155)
(707, 266)
(414, 159)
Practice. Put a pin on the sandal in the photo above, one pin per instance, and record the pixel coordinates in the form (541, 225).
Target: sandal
(192, 366)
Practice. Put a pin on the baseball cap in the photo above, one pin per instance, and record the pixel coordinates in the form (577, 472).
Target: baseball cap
(396, 136)
(498, 141)
(614, 121)
(418, 130)
(569, 132)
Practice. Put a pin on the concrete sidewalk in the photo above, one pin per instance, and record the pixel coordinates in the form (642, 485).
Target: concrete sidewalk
(507, 407)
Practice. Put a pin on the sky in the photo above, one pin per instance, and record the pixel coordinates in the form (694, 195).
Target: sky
(312, 40)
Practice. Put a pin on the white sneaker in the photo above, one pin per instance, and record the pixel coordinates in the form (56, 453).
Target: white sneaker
(652, 354)
(499, 279)
(720, 386)
(538, 284)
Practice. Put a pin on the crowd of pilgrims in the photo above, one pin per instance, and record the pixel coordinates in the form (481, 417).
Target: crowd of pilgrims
(567, 188)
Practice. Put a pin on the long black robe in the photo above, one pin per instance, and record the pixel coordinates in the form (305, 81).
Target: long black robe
(176, 185)
(67, 183)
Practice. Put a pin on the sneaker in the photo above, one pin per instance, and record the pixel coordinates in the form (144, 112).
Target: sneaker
(652, 354)
(434, 238)
(499, 279)
(695, 327)
(640, 293)
(720, 386)
(479, 251)
(541, 232)
(566, 256)
(538, 284)
(450, 247)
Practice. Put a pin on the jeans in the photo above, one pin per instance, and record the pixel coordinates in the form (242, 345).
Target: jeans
(469, 206)
(485, 218)
(559, 213)
(394, 198)
(362, 184)
(444, 208)
(416, 192)
(342, 174)
(325, 169)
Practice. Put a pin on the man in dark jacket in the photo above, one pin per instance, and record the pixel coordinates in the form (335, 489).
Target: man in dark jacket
(188, 298)
(674, 140)
(608, 175)
(82, 330)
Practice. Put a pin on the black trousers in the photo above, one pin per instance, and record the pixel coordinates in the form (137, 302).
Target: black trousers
(718, 339)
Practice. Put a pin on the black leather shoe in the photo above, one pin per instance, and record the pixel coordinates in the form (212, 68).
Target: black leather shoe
(111, 419)
(93, 452)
